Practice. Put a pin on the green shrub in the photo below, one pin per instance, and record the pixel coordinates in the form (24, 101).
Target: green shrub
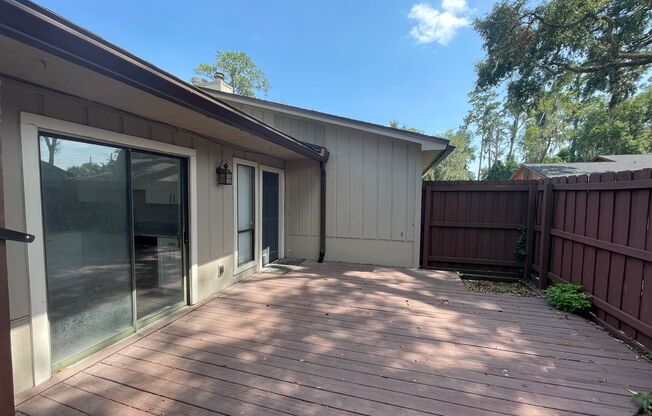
(568, 297)
(644, 402)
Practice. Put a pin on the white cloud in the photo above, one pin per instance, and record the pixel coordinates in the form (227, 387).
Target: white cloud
(434, 25)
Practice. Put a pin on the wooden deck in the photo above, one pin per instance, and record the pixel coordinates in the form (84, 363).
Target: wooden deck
(342, 339)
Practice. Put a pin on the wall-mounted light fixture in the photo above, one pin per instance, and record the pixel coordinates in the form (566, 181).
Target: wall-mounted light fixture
(224, 174)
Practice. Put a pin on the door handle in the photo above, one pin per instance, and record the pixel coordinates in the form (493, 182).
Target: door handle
(11, 235)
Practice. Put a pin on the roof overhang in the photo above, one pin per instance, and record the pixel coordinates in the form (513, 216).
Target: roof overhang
(42, 48)
(432, 157)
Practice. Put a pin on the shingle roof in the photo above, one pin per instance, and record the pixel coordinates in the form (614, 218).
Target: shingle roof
(634, 160)
(601, 164)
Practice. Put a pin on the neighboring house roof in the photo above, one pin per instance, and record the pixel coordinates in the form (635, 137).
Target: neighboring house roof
(36, 26)
(635, 161)
(425, 140)
(600, 164)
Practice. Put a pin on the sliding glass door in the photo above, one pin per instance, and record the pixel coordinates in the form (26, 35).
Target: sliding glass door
(114, 223)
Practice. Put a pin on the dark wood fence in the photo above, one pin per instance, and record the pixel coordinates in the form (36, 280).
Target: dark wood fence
(592, 230)
(473, 226)
(595, 231)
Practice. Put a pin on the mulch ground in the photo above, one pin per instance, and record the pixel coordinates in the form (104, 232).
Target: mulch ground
(501, 288)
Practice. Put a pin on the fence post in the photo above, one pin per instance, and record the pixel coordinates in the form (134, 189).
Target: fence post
(529, 241)
(548, 201)
(425, 247)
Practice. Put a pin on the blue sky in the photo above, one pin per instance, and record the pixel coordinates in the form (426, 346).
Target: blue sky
(373, 60)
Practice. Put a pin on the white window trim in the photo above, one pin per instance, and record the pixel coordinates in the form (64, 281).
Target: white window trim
(257, 217)
(30, 125)
(281, 210)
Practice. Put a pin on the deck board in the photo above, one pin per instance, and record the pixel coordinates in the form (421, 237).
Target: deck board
(344, 339)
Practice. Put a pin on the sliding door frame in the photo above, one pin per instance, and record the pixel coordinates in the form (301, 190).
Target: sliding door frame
(31, 125)
(257, 215)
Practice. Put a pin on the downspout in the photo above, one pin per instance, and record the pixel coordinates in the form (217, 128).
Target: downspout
(322, 211)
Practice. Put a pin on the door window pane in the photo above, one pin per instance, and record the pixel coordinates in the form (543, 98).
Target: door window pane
(157, 198)
(245, 214)
(87, 247)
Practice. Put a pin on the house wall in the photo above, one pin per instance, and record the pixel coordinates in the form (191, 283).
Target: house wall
(373, 186)
(525, 173)
(214, 208)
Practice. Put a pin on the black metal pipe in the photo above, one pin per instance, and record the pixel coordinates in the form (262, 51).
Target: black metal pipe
(322, 211)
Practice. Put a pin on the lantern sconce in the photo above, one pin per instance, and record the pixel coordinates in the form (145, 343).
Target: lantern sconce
(224, 174)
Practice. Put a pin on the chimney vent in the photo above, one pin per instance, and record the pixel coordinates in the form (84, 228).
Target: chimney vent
(216, 84)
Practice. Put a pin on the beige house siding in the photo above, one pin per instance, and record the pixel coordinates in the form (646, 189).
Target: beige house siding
(214, 208)
(372, 185)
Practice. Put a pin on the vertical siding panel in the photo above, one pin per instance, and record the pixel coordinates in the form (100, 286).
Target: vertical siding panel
(331, 183)
(292, 180)
(384, 188)
(356, 211)
(411, 192)
(304, 197)
(399, 179)
(370, 189)
(215, 194)
(278, 121)
(314, 189)
(343, 181)
(203, 199)
(320, 132)
(228, 216)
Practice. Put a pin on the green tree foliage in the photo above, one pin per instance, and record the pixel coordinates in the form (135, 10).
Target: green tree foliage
(395, 124)
(596, 45)
(239, 70)
(627, 131)
(500, 171)
(486, 121)
(456, 164)
(561, 82)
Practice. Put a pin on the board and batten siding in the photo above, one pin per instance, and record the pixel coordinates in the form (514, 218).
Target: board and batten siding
(214, 210)
(372, 186)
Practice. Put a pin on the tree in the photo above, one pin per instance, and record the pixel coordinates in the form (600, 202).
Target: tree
(456, 165)
(240, 72)
(54, 146)
(486, 121)
(595, 45)
(548, 127)
(627, 131)
(500, 171)
(395, 124)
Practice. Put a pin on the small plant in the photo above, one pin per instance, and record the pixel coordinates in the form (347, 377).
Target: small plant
(521, 241)
(568, 298)
(643, 401)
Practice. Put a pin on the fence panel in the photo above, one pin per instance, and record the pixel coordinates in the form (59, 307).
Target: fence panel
(600, 237)
(474, 226)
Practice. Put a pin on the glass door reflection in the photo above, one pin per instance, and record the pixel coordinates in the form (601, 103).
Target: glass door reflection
(158, 213)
